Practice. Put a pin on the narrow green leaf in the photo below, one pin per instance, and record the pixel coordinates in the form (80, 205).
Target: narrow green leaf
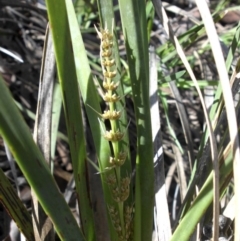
(89, 94)
(133, 15)
(56, 111)
(14, 207)
(91, 101)
(71, 102)
(29, 158)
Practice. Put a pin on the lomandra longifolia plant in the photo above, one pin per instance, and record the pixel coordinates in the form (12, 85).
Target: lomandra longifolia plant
(128, 192)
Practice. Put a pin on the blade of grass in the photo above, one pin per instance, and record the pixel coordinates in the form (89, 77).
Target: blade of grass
(133, 16)
(30, 160)
(91, 100)
(56, 111)
(106, 14)
(71, 101)
(15, 207)
(89, 94)
(42, 225)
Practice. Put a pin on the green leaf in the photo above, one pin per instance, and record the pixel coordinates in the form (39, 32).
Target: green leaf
(71, 101)
(29, 158)
(14, 207)
(133, 15)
